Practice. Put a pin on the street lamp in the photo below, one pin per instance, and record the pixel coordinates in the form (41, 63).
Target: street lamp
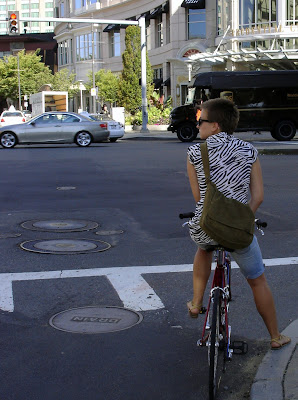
(81, 87)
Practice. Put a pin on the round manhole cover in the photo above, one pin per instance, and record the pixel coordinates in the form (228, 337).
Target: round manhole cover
(94, 319)
(65, 246)
(63, 225)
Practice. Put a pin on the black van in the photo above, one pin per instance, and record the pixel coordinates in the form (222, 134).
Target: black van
(267, 101)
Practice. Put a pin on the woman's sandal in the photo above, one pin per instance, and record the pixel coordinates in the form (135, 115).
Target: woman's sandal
(191, 307)
(282, 340)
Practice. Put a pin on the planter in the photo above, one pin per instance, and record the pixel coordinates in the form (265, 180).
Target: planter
(138, 128)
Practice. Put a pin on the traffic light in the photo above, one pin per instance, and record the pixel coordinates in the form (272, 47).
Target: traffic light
(13, 23)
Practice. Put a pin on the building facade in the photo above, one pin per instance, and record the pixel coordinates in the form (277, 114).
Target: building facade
(183, 37)
(28, 8)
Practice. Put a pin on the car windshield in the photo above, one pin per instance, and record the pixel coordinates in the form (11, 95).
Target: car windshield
(190, 95)
(12, 114)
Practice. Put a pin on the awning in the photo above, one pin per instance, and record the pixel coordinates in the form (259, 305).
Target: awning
(114, 27)
(110, 28)
(166, 7)
(157, 83)
(167, 82)
(193, 4)
(156, 12)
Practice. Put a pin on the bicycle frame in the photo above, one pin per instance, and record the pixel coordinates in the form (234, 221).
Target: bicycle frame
(221, 280)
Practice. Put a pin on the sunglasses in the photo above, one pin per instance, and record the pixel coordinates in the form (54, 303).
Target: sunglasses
(200, 121)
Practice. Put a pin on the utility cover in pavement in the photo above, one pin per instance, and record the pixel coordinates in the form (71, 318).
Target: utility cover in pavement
(95, 319)
(65, 246)
(63, 225)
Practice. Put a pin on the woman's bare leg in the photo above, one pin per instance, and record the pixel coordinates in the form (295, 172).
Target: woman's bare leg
(265, 306)
(201, 273)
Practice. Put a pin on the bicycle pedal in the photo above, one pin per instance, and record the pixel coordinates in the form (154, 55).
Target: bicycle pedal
(203, 310)
(239, 347)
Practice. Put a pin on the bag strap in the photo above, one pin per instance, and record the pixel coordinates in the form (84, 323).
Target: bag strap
(205, 159)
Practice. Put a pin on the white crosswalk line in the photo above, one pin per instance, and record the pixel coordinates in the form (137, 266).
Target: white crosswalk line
(132, 288)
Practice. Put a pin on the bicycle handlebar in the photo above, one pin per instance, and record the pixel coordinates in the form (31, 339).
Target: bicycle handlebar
(186, 215)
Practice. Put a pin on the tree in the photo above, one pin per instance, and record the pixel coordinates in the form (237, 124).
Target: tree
(64, 81)
(130, 91)
(33, 74)
(107, 83)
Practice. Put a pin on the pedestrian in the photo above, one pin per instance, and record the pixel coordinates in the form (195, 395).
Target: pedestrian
(105, 110)
(236, 171)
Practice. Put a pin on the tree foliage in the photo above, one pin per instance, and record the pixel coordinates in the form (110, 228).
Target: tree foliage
(33, 74)
(130, 91)
(107, 83)
(64, 81)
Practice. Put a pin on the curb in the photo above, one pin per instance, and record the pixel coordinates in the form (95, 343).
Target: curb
(269, 382)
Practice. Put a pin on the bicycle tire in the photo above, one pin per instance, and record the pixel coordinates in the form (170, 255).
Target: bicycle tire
(214, 359)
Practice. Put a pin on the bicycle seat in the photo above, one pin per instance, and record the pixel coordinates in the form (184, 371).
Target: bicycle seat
(214, 247)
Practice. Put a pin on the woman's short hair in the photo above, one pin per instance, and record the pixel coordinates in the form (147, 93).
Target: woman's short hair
(224, 112)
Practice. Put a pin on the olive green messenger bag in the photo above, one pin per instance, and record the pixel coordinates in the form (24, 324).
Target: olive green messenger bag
(227, 221)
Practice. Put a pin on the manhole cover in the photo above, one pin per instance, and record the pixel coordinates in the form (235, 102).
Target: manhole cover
(93, 319)
(9, 235)
(65, 246)
(63, 225)
(107, 233)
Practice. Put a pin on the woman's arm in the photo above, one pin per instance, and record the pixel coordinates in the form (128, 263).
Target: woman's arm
(256, 186)
(193, 180)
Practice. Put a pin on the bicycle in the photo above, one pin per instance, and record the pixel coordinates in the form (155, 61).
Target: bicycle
(217, 335)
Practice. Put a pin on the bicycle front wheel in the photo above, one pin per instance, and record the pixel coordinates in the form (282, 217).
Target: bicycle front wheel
(215, 362)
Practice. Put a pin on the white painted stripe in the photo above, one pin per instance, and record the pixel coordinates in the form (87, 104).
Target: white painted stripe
(133, 290)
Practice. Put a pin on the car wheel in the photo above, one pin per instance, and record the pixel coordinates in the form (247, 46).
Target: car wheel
(113, 140)
(284, 130)
(83, 139)
(8, 140)
(187, 132)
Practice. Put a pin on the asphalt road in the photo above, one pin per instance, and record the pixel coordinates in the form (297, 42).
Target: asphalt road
(138, 187)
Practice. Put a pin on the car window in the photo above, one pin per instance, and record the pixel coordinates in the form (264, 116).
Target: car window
(46, 119)
(12, 114)
(66, 118)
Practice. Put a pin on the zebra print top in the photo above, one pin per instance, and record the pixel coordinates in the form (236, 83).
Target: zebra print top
(230, 161)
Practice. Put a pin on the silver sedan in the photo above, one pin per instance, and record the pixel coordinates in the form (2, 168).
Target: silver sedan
(55, 128)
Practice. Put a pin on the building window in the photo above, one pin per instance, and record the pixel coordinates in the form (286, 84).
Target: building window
(63, 52)
(84, 46)
(253, 13)
(62, 9)
(159, 31)
(168, 28)
(223, 16)
(115, 49)
(24, 6)
(48, 13)
(49, 5)
(34, 5)
(292, 11)
(157, 73)
(196, 22)
(80, 4)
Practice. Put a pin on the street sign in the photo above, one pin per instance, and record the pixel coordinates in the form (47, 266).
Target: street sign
(93, 91)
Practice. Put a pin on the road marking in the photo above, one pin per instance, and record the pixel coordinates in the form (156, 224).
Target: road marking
(132, 289)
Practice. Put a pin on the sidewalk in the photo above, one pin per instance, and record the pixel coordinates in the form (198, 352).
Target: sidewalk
(263, 142)
(277, 376)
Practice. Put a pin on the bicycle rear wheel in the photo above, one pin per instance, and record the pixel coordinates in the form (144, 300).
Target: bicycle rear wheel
(216, 359)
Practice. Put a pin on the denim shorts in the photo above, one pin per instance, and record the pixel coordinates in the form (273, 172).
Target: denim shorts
(250, 259)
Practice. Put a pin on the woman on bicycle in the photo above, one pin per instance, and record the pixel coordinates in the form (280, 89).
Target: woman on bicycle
(236, 171)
